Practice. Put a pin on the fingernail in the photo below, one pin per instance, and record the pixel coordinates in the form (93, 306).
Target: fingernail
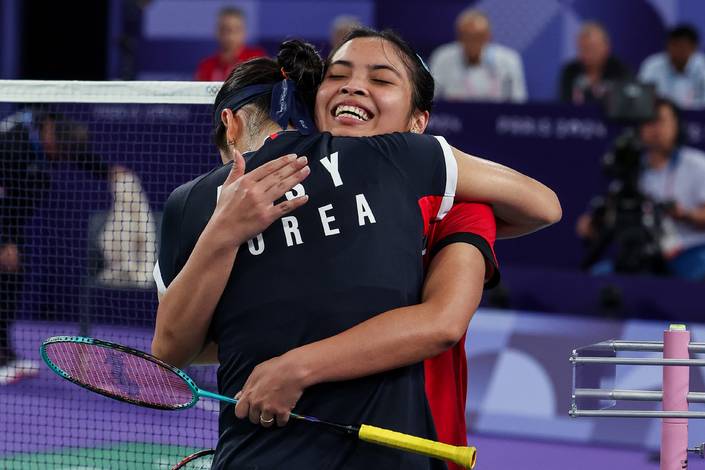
(305, 170)
(302, 160)
(291, 157)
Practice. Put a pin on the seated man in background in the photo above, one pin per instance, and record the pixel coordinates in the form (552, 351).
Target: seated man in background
(587, 78)
(672, 176)
(231, 34)
(475, 69)
(679, 72)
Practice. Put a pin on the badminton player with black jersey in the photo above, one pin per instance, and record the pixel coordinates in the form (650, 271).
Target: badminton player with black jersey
(293, 233)
(351, 252)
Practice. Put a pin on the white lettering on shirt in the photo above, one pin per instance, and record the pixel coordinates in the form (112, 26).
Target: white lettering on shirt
(291, 231)
(296, 191)
(331, 164)
(363, 210)
(256, 250)
(326, 220)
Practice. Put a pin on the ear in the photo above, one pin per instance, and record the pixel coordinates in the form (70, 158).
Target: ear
(234, 125)
(419, 121)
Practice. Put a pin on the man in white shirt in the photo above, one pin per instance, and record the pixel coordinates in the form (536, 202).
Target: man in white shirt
(475, 69)
(679, 72)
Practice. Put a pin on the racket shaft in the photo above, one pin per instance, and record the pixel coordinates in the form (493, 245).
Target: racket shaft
(463, 456)
(216, 396)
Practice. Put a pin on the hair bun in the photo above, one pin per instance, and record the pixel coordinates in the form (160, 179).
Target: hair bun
(302, 64)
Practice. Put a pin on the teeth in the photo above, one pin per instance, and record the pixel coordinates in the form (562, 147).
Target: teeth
(352, 111)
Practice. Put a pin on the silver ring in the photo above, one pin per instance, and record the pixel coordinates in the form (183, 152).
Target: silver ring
(266, 421)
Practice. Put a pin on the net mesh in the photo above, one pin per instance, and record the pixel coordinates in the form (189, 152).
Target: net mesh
(120, 374)
(85, 169)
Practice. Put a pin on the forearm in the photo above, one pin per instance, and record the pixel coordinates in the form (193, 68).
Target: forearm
(405, 335)
(522, 203)
(393, 339)
(696, 217)
(186, 309)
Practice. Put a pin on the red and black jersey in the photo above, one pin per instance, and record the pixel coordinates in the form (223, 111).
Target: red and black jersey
(446, 374)
(352, 252)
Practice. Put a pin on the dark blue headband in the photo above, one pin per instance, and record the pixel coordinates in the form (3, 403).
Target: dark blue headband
(287, 107)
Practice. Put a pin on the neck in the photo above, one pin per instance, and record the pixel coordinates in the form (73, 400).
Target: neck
(254, 141)
(228, 55)
(658, 159)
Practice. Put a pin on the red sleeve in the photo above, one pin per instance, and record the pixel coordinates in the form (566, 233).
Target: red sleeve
(204, 70)
(471, 223)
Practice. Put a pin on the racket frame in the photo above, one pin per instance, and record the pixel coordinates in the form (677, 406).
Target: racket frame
(195, 391)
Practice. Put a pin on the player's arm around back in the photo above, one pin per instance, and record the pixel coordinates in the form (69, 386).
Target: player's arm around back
(521, 204)
(244, 209)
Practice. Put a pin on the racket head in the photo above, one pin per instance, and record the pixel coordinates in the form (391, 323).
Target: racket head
(201, 460)
(119, 372)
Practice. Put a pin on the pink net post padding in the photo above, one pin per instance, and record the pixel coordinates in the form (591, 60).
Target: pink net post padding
(121, 374)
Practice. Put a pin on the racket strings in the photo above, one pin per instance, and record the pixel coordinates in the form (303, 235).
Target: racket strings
(121, 374)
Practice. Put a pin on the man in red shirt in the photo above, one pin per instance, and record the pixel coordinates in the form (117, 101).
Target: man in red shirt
(231, 34)
(446, 374)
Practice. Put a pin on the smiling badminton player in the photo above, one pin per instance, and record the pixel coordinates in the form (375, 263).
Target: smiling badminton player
(285, 290)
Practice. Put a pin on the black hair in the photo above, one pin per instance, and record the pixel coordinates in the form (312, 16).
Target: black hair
(422, 83)
(684, 31)
(296, 60)
(681, 136)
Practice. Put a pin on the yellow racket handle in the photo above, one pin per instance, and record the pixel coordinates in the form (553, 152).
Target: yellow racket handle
(463, 456)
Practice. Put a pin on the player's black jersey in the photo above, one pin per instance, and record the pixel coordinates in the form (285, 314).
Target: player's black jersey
(352, 252)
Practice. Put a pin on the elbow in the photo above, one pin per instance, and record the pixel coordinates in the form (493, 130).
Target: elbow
(449, 332)
(555, 211)
(164, 349)
(551, 212)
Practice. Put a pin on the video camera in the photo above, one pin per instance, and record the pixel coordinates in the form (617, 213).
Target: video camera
(624, 216)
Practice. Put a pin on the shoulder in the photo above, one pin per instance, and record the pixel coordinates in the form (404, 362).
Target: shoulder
(615, 67)
(654, 61)
(698, 60)
(208, 62)
(250, 52)
(182, 194)
(693, 159)
(571, 68)
(399, 142)
(450, 51)
(500, 52)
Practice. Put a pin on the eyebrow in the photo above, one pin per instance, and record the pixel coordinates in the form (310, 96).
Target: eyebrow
(346, 63)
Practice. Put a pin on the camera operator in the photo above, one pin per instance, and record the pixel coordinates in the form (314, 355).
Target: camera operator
(671, 175)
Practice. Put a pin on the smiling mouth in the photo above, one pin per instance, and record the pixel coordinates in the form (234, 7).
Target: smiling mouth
(354, 112)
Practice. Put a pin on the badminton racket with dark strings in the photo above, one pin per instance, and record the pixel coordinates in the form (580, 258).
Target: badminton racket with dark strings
(139, 378)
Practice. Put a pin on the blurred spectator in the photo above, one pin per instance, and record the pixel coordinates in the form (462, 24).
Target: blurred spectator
(231, 34)
(475, 69)
(129, 237)
(587, 78)
(678, 73)
(29, 140)
(672, 176)
(340, 28)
